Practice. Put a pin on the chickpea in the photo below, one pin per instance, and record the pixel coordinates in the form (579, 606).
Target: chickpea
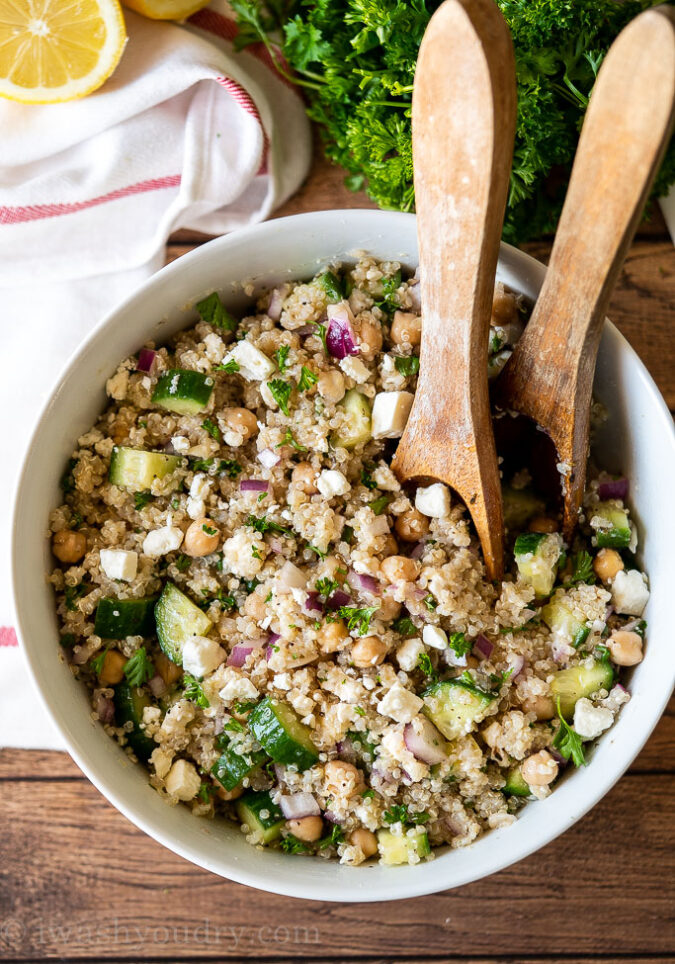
(201, 538)
(389, 609)
(540, 769)
(304, 476)
(112, 668)
(542, 523)
(625, 648)
(228, 795)
(255, 607)
(332, 636)
(169, 672)
(503, 307)
(241, 421)
(406, 328)
(331, 386)
(607, 563)
(364, 840)
(308, 829)
(342, 778)
(69, 546)
(411, 526)
(399, 568)
(389, 545)
(368, 651)
(541, 706)
(370, 337)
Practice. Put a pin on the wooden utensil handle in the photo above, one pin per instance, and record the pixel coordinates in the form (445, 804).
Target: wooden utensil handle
(462, 165)
(624, 137)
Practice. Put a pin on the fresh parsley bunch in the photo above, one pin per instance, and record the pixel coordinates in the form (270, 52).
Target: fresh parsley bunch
(356, 60)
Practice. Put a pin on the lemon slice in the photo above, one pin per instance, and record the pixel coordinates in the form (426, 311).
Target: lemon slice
(166, 9)
(56, 50)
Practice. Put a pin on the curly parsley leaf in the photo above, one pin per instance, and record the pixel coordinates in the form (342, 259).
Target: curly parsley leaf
(139, 668)
(141, 499)
(426, 666)
(290, 844)
(210, 426)
(404, 626)
(357, 619)
(459, 644)
(281, 356)
(231, 367)
(407, 366)
(307, 379)
(263, 525)
(568, 742)
(213, 311)
(281, 393)
(335, 837)
(193, 691)
(583, 569)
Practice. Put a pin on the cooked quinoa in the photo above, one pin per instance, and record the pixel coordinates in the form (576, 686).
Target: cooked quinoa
(287, 637)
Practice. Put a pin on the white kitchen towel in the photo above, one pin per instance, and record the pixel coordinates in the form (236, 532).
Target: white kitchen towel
(186, 133)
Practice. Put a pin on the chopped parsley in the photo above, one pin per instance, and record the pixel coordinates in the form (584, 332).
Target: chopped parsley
(430, 603)
(366, 477)
(231, 367)
(288, 439)
(97, 661)
(404, 626)
(290, 844)
(263, 525)
(141, 499)
(332, 285)
(425, 665)
(407, 365)
(347, 534)
(193, 691)
(205, 792)
(380, 504)
(210, 426)
(357, 619)
(229, 467)
(248, 585)
(640, 628)
(568, 742)
(182, 562)
(209, 530)
(139, 668)
(281, 393)
(390, 286)
(361, 742)
(326, 586)
(245, 707)
(583, 569)
(321, 332)
(459, 644)
(255, 552)
(234, 726)
(213, 311)
(368, 794)
(72, 594)
(335, 837)
(307, 379)
(67, 640)
(282, 357)
(227, 602)
(320, 554)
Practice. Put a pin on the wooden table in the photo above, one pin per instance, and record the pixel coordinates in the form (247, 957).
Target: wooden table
(79, 882)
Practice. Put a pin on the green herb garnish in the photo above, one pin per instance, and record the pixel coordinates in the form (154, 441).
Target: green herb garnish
(139, 668)
(335, 837)
(459, 644)
(407, 366)
(568, 742)
(426, 666)
(404, 625)
(141, 499)
(288, 439)
(380, 504)
(231, 367)
(263, 524)
(193, 691)
(210, 426)
(214, 312)
(281, 356)
(307, 379)
(357, 619)
(281, 392)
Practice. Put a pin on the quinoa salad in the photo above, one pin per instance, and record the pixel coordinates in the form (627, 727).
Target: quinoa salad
(288, 638)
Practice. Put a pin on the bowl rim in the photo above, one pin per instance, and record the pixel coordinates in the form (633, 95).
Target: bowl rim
(400, 887)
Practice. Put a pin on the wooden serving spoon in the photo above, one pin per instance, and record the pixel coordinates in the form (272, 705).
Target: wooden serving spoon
(463, 123)
(549, 377)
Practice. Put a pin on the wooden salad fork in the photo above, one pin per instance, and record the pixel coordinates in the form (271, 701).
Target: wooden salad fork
(463, 124)
(549, 377)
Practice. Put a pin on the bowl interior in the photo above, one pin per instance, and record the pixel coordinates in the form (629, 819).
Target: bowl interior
(636, 439)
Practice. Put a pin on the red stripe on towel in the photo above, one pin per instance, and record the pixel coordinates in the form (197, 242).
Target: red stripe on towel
(246, 102)
(34, 212)
(8, 636)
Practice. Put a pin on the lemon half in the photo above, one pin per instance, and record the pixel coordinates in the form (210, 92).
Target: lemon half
(56, 50)
(166, 9)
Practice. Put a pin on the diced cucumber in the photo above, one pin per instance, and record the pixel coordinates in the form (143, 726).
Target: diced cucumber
(515, 783)
(231, 767)
(395, 850)
(356, 430)
(183, 391)
(178, 618)
(130, 701)
(332, 285)
(276, 726)
(119, 618)
(558, 616)
(569, 685)
(612, 528)
(536, 555)
(454, 706)
(263, 817)
(137, 469)
(520, 505)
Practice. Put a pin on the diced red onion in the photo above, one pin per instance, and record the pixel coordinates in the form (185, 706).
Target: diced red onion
(253, 485)
(276, 545)
(295, 806)
(269, 458)
(157, 686)
(241, 651)
(330, 816)
(105, 709)
(312, 603)
(274, 638)
(454, 826)
(482, 648)
(424, 741)
(419, 593)
(417, 550)
(340, 337)
(361, 580)
(338, 598)
(557, 756)
(276, 301)
(614, 489)
(560, 650)
(619, 686)
(378, 776)
(146, 359)
(346, 750)
(516, 665)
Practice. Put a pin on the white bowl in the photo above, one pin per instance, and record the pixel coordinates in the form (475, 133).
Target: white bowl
(637, 440)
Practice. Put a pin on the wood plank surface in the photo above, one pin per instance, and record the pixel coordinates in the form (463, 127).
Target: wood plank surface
(79, 883)
(78, 880)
